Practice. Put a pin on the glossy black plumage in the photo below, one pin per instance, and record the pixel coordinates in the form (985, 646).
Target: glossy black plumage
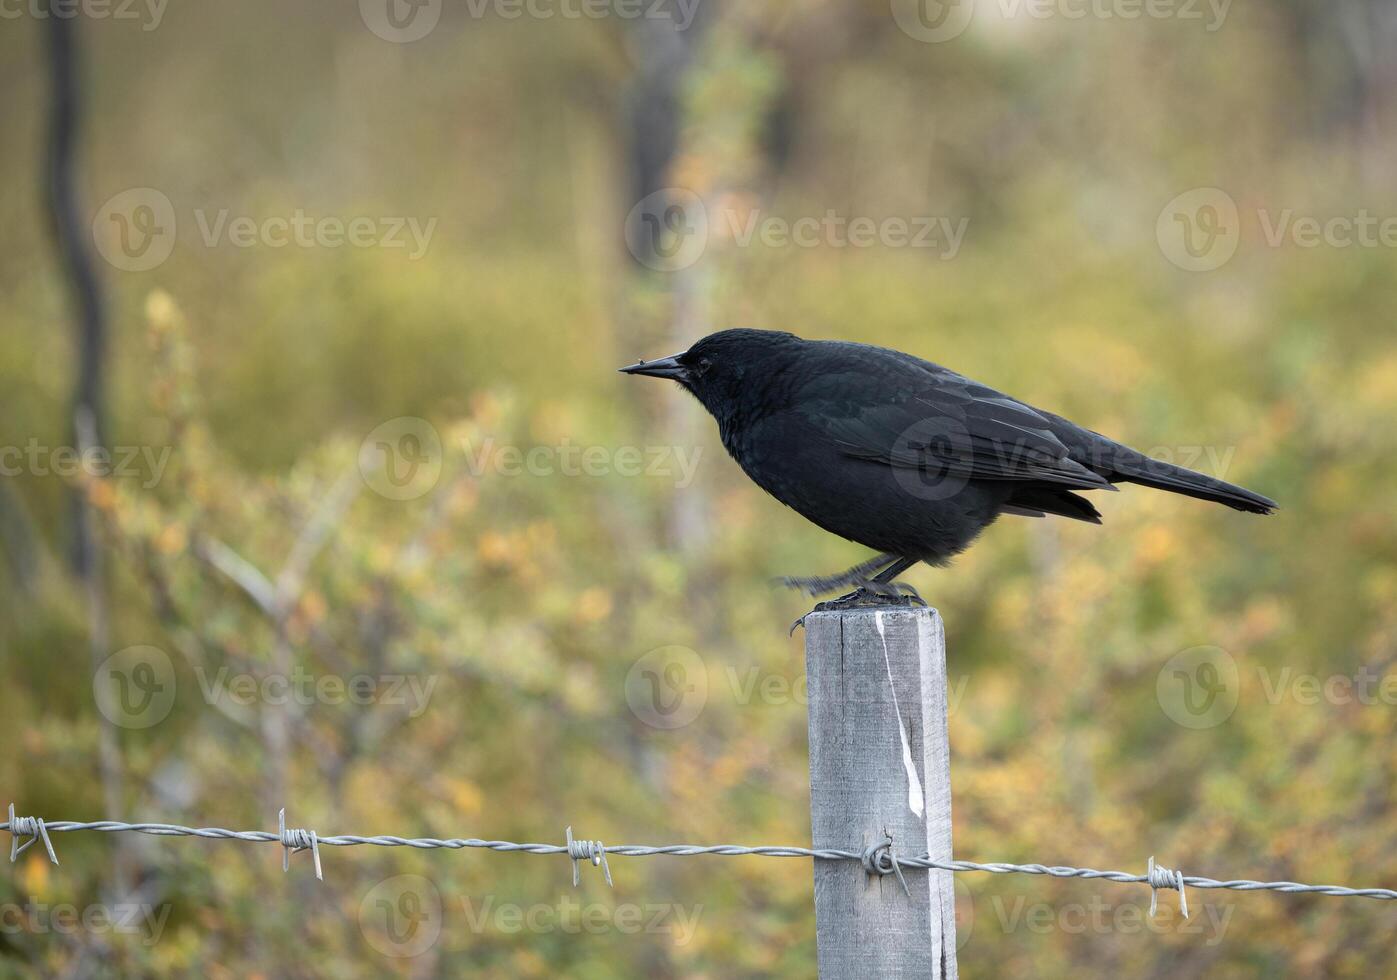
(900, 454)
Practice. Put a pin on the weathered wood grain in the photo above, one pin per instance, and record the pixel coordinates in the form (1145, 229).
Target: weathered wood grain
(859, 789)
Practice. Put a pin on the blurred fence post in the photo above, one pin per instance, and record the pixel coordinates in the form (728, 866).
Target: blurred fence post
(861, 791)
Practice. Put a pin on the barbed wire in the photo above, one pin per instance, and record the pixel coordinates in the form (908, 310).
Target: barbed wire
(878, 858)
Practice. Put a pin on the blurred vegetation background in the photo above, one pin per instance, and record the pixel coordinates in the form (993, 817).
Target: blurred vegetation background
(526, 599)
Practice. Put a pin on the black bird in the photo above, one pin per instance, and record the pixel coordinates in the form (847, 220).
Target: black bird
(902, 455)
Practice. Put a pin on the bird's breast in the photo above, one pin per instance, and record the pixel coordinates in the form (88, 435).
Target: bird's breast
(798, 463)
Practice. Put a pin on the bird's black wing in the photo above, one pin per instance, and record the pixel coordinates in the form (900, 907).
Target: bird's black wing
(924, 416)
(1099, 455)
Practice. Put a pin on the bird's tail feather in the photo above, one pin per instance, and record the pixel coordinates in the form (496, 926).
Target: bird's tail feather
(1166, 476)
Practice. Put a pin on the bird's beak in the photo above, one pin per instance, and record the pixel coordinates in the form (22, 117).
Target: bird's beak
(665, 367)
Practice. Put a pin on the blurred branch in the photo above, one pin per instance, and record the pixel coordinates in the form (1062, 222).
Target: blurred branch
(241, 572)
(277, 601)
(313, 537)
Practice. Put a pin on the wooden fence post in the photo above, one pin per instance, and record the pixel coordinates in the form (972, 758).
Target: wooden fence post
(860, 789)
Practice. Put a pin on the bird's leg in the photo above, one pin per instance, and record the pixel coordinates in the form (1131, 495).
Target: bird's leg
(879, 590)
(889, 574)
(858, 575)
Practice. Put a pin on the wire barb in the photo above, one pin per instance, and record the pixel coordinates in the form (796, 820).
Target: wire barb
(34, 829)
(587, 850)
(1157, 876)
(295, 839)
(879, 859)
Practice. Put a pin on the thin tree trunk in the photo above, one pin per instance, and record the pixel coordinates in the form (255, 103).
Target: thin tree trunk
(88, 422)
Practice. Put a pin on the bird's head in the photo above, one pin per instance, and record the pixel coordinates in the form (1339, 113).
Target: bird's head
(719, 368)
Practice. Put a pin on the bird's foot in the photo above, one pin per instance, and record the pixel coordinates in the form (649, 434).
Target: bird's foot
(870, 595)
(873, 595)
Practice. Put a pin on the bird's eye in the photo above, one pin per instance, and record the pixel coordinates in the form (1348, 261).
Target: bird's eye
(704, 364)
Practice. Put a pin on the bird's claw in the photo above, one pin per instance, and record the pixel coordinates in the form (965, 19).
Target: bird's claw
(868, 594)
(873, 594)
(909, 592)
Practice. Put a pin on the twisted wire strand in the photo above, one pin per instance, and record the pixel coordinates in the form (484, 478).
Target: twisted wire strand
(586, 850)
